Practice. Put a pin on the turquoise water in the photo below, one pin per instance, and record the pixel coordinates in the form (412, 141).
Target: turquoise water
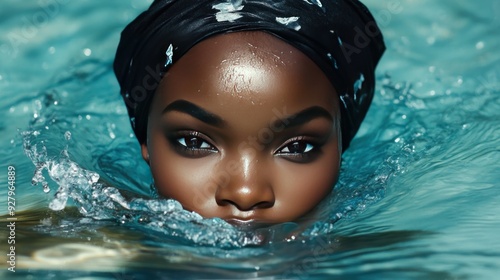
(417, 198)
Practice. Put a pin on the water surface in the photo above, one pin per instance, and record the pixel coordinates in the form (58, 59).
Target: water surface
(417, 198)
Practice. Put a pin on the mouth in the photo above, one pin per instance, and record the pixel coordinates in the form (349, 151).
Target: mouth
(248, 224)
(266, 231)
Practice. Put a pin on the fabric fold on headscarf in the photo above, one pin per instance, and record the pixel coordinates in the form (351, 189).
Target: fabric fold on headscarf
(340, 36)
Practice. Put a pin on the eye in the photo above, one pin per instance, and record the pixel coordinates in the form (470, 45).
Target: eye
(297, 147)
(300, 150)
(193, 142)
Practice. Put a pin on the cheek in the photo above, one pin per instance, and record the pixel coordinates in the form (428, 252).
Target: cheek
(301, 187)
(182, 179)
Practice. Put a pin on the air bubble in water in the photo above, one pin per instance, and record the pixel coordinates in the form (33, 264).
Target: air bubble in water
(67, 135)
(60, 200)
(94, 177)
(46, 188)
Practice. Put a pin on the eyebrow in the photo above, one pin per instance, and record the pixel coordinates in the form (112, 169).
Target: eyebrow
(305, 116)
(195, 111)
(207, 117)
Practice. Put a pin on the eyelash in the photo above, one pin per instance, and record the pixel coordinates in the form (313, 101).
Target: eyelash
(179, 141)
(311, 150)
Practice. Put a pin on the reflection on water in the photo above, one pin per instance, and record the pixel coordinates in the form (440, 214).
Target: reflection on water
(66, 240)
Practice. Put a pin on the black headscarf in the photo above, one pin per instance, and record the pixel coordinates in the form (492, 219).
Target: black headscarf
(340, 36)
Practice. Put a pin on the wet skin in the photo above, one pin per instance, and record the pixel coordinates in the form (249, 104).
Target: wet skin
(246, 128)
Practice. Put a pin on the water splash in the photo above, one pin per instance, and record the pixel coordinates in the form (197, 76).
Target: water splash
(98, 201)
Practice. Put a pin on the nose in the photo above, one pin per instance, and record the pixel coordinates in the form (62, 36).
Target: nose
(247, 189)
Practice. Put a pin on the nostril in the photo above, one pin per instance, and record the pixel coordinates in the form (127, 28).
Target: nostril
(246, 207)
(246, 197)
(263, 205)
(224, 202)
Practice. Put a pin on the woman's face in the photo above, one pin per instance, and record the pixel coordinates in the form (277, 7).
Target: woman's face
(246, 128)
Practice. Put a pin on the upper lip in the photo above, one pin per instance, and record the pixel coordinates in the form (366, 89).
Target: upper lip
(247, 223)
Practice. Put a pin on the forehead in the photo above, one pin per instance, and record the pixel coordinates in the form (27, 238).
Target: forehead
(250, 68)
